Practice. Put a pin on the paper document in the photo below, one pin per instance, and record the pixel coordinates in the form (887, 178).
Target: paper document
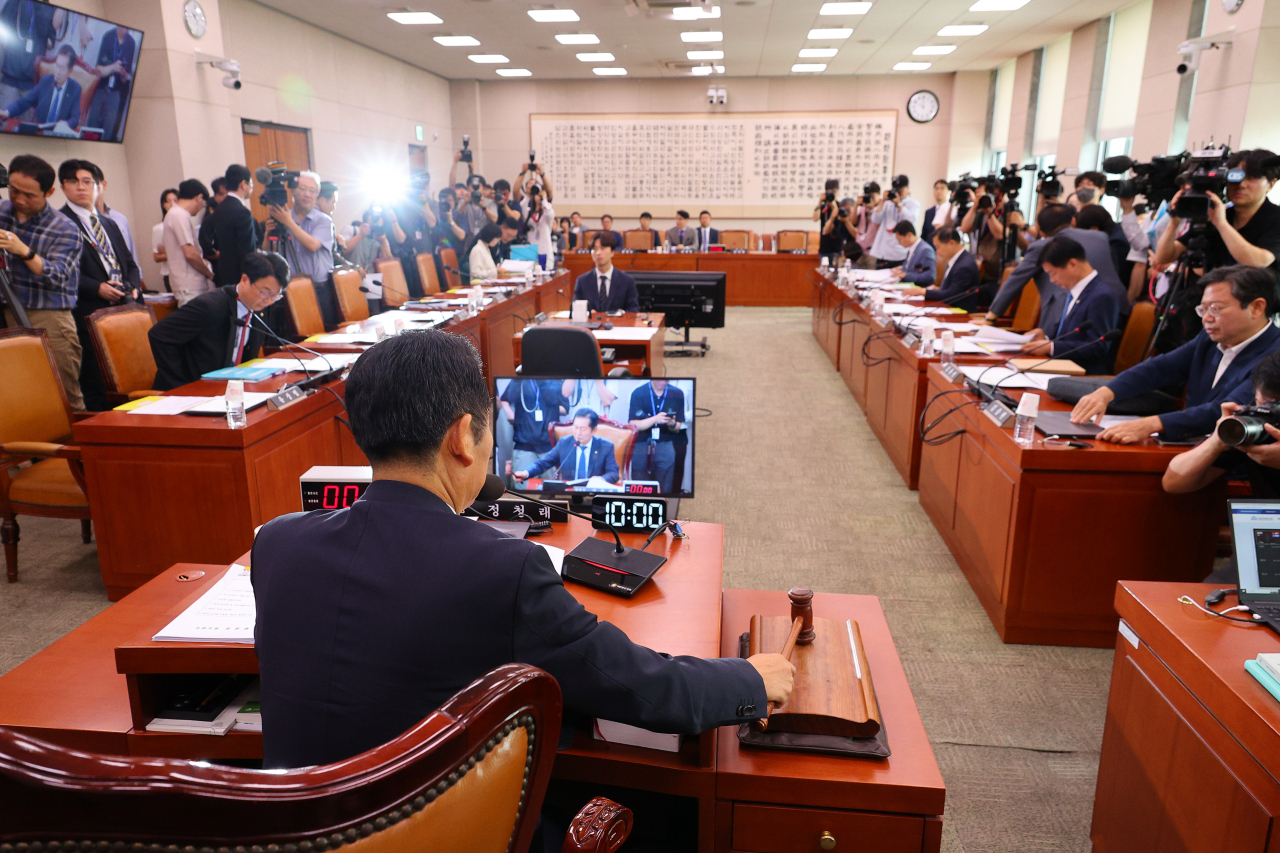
(556, 555)
(349, 338)
(310, 365)
(873, 275)
(625, 333)
(1004, 336)
(224, 614)
(170, 405)
(1006, 378)
(958, 328)
(902, 308)
(218, 405)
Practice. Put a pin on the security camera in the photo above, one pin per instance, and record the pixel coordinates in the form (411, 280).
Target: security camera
(1191, 49)
(722, 96)
(230, 66)
(232, 81)
(711, 95)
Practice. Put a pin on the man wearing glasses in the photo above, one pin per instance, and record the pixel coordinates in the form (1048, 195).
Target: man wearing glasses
(1216, 366)
(306, 241)
(217, 329)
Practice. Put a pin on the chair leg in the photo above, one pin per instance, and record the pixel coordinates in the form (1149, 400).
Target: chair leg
(9, 536)
(86, 530)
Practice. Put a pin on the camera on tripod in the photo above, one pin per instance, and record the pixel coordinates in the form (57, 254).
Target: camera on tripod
(466, 149)
(1247, 427)
(1155, 181)
(1207, 174)
(276, 182)
(1010, 179)
(1049, 186)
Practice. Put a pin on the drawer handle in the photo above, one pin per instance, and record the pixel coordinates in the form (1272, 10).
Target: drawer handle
(827, 841)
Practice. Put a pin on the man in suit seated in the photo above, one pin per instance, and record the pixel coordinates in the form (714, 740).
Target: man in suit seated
(1237, 308)
(707, 236)
(606, 227)
(1089, 300)
(920, 266)
(579, 456)
(682, 236)
(370, 617)
(606, 288)
(214, 330)
(959, 275)
(55, 98)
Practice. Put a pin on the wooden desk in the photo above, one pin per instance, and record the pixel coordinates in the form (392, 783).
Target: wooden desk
(783, 801)
(1191, 749)
(167, 489)
(647, 354)
(1044, 533)
(754, 278)
(826, 298)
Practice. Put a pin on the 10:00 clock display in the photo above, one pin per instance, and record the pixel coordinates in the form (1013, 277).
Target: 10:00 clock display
(635, 515)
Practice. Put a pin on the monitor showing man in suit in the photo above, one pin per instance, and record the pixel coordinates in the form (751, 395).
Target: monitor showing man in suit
(605, 288)
(578, 457)
(55, 98)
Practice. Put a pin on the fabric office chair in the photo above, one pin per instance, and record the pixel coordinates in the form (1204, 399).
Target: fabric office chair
(735, 239)
(790, 241)
(1141, 319)
(470, 778)
(638, 238)
(119, 337)
(352, 301)
(395, 290)
(304, 308)
(34, 418)
(1027, 314)
(562, 351)
(449, 258)
(621, 436)
(427, 273)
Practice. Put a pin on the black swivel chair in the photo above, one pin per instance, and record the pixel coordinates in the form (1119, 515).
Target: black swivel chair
(563, 351)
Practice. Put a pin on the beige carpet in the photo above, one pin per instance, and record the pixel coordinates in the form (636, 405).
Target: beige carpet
(788, 465)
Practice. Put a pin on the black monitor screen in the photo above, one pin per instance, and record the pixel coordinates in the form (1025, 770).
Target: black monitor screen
(64, 73)
(595, 436)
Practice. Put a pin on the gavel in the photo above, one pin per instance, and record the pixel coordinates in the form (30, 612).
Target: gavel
(802, 634)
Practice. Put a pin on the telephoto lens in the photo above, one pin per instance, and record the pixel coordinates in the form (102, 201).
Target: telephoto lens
(1246, 428)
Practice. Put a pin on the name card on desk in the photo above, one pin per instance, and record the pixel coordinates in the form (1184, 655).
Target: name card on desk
(224, 614)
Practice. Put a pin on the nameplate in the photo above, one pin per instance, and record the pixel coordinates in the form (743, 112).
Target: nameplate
(515, 509)
(909, 340)
(286, 398)
(998, 412)
(952, 372)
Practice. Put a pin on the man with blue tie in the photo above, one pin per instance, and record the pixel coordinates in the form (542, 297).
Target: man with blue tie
(682, 236)
(55, 98)
(605, 288)
(1090, 303)
(920, 266)
(579, 456)
(707, 236)
(959, 274)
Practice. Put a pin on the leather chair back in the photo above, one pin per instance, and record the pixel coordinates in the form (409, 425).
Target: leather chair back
(638, 238)
(119, 337)
(427, 273)
(550, 350)
(735, 239)
(304, 308)
(812, 245)
(33, 403)
(587, 237)
(790, 241)
(1027, 315)
(449, 258)
(351, 299)
(766, 242)
(621, 436)
(395, 290)
(85, 75)
(1141, 319)
(470, 778)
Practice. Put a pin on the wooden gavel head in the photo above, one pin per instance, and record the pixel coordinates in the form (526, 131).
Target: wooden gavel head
(802, 608)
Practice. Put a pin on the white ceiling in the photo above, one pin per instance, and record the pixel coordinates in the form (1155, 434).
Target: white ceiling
(762, 38)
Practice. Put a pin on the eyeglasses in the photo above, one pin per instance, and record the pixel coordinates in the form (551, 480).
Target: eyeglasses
(269, 295)
(1213, 309)
(82, 182)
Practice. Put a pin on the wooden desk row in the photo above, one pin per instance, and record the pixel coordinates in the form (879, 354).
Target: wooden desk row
(754, 278)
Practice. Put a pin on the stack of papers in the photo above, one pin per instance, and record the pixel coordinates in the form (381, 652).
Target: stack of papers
(879, 276)
(626, 333)
(348, 338)
(996, 339)
(1006, 377)
(958, 328)
(224, 614)
(902, 308)
(219, 725)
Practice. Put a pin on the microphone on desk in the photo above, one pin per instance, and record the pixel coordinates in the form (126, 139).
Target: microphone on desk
(977, 383)
(248, 321)
(951, 300)
(394, 290)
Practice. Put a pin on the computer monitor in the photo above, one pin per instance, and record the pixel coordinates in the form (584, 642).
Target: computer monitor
(689, 299)
(583, 437)
(1255, 529)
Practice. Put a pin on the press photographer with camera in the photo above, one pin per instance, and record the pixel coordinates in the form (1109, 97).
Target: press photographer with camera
(983, 222)
(896, 206)
(860, 224)
(536, 214)
(369, 244)
(1247, 232)
(829, 242)
(470, 214)
(306, 241)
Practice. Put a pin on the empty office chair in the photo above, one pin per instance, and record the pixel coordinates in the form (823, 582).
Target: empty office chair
(427, 273)
(811, 245)
(621, 436)
(35, 418)
(304, 308)
(470, 778)
(638, 238)
(449, 258)
(1027, 315)
(119, 337)
(766, 242)
(562, 351)
(791, 241)
(352, 301)
(735, 239)
(395, 290)
(1141, 320)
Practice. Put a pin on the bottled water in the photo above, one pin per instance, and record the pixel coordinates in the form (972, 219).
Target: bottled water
(926, 341)
(948, 347)
(1024, 430)
(236, 417)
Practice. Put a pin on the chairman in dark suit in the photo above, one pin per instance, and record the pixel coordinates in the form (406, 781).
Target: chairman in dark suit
(606, 288)
(56, 97)
(959, 273)
(370, 617)
(707, 236)
(235, 234)
(109, 275)
(1091, 310)
(1216, 366)
(214, 330)
(579, 456)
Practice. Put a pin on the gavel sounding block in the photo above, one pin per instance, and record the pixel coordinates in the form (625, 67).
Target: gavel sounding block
(833, 694)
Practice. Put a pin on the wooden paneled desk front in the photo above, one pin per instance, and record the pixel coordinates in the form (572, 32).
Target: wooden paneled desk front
(754, 278)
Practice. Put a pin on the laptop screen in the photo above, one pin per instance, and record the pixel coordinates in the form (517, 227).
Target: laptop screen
(1255, 532)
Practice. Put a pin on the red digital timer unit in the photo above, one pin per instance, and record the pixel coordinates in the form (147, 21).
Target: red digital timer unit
(333, 486)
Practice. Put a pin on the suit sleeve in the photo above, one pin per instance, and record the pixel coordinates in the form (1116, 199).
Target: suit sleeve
(208, 241)
(1200, 420)
(923, 270)
(247, 239)
(1104, 312)
(633, 298)
(1171, 368)
(73, 118)
(1017, 280)
(962, 278)
(611, 473)
(169, 339)
(24, 103)
(549, 460)
(602, 673)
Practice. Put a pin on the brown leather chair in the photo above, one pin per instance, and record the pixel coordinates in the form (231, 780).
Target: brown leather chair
(470, 778)
(449, 258)
(1141, 319)
(395, 290)
(304, 308)
(638, 238)
(35, 418)
(790, 241)
(119, 337)
(427, 273)
(1027, 316)
(621, 436)
(766, 242)
(587, 237)
(352, 301)
(735, 239)
(812, 245)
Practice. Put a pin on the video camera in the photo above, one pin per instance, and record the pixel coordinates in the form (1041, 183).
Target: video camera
(276, 181)
(1010, 181)
(1156, 181)
(377, 226)
(1247, 426)
(1049, 186)
(466, 149)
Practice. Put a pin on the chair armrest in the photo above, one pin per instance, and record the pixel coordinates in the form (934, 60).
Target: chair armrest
(138, 395)
(601, 827)
(40, 448)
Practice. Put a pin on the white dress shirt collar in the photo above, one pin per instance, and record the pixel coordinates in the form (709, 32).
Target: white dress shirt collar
(1229, 353)
(1074, 293)
(951, 263)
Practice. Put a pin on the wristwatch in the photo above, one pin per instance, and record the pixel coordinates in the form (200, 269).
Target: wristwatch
(31, 253)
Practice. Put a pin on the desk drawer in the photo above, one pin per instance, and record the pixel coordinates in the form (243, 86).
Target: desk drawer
(778, 829)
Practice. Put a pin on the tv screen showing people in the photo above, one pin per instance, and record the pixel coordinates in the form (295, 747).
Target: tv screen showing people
(595, 436)
(64, 73)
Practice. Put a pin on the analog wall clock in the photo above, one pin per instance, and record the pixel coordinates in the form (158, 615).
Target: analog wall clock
(193, 16)
(922, 106)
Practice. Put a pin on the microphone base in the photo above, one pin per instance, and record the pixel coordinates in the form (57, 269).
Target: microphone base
(595, 563)
(998, 412)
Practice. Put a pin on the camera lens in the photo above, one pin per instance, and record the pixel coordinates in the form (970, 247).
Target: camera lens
(1243, 430)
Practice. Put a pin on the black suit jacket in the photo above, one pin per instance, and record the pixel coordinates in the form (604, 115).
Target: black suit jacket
(369, 618)
(94, 273)
(963, 276)
(623, 295)
(927, 229)
(235, 235)
(199, 337)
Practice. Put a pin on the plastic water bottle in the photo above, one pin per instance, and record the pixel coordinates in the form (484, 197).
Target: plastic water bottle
(823, 263)
(926, 341)
(1024, 430)
(948, 347)
(236, 417)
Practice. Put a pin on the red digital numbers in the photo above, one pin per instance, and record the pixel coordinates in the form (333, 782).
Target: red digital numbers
(332, 494)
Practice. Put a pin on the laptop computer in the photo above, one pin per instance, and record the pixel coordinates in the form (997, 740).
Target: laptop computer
(1059, 424)
(1255, 532)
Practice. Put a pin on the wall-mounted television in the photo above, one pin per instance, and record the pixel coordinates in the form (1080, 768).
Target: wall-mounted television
(64, 73)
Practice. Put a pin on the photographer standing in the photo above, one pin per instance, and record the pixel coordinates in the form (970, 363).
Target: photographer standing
(306, 241)
(861, 220)
(825, 213)
(897, 206)
(366, 248)
(536, 213)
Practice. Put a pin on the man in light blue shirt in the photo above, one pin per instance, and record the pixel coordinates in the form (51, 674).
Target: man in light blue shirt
(307, 241)
(886, 249)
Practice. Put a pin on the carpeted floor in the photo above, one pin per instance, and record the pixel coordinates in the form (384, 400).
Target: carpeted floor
(789, 466)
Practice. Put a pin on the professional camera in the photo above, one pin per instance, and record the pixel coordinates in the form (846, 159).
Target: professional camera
(895, 187)
(1010, 181)
(829, 197)
(533, 157)
(466, 149)
(276, 181)
(1156, 181)
(1246, 427)
(475, 183)
(377, 227)
(1207, 174)
(1050, 186)
(962, 191)
(536, 189)
(866, 193)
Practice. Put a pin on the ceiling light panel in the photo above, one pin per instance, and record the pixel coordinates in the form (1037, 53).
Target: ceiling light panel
(824, 33)
(934, 49)
(997, 5)
(962, 30)
(703, 37)
(694, 13)
(414, 18)
(595, 57)
(818, 52)
(610, 72)
(514, 72)
(705, 54)
(912, 66)
(457, 41)
(844, 9)
(577, 38)
(802, 67)
(701, 70)
(553, 16)
(488, 58)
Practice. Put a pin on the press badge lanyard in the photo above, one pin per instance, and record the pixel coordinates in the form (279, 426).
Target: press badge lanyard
(653, 401)
(31, 26)
(537, 410)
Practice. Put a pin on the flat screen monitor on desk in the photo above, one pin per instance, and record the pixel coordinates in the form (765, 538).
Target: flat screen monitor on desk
(541, 424)
(688, 299)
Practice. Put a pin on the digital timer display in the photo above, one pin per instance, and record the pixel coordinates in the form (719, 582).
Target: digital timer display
(635, 515)
(330, 495)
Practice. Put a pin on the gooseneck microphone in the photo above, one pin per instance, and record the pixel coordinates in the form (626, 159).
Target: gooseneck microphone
(287, 344)
(1114, 334)
(495, 488)
(1083, 327)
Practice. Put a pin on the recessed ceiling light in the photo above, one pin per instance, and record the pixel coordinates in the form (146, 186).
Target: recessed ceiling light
(844, 9)
(831, 33)
(457, 41)
(818, 52)
(719, 69)
(414, 18)
(514, 72)
(553, 16)
(701, 70)
(488, 58)
(912, 66)
(962, 30)
(705, 54)
(997, 5)
(595, 57)
(577, 38)
(809, 66)
(610, 72)
(705, 36)
(934, 49)
(693, 13)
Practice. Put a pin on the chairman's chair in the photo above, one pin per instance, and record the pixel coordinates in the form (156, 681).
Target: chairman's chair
(1027, 315)
(395, 290)
(792, 241)
(470, 778)
(735, 239)
(621, 436)
(119, 337)
(35, 418)
(449, 258)
(1141, 320)
(766, 242)
(638, 238)
(353, 303)
(555, 350)
(304, 307)
(427, 273)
